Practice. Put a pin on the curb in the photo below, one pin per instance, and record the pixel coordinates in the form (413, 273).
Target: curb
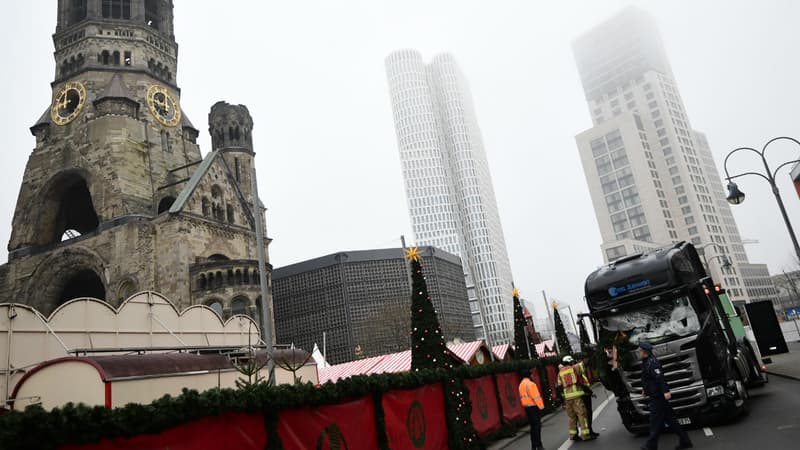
(782, 375)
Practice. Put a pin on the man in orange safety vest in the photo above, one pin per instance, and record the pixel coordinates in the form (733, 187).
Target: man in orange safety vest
(532, 401)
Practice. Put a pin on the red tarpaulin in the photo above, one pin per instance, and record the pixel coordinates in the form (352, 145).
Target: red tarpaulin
(536, 378)
(552, 374)
(485, 411)
(346, 426)
(508, 387)
(231, 430)
(415, 418)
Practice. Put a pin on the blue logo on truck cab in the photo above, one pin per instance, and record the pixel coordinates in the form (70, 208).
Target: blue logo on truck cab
(615, 291)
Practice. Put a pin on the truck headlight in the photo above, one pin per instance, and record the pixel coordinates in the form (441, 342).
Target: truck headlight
(715, 391)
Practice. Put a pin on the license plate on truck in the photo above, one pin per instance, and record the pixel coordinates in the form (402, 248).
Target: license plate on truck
(684, 421)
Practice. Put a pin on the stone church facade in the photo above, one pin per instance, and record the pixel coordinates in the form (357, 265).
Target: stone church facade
(116, 196)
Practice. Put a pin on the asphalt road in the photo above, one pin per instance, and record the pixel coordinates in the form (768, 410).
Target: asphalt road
(773, 423)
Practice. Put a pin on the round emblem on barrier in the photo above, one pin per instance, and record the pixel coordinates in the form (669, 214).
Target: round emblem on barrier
(332, 436)
(482, 403)
(511, 396)
(415, 424)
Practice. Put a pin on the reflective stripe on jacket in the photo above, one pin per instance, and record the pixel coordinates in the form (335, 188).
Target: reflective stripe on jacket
(572, 380)
(529, 394)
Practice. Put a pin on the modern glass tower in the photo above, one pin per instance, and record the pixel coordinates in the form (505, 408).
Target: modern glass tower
(652, 177)
(447, 180)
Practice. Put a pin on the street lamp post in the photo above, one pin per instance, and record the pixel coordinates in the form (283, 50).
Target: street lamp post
(736, 196)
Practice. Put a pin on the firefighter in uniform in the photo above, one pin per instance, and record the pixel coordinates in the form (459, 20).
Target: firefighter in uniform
(571, 381)
(587, 400)
(532, 401)
(655, 387)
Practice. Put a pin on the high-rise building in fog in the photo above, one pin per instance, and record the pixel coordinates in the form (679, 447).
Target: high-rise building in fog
(448, 185)
(652, 177)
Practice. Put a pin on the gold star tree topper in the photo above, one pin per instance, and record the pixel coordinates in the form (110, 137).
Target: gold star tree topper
(412, 254)
(515, 292)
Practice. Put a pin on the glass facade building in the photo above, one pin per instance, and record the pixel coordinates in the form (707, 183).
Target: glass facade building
(652, 177)
(448, 185)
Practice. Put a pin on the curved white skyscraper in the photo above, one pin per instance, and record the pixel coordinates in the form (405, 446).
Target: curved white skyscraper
(448, 184)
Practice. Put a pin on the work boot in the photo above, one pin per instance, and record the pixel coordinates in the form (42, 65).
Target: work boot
(590, 437)
(684, 445)
(593, 434)
(576, 438)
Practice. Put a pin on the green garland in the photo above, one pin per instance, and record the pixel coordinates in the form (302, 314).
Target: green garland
(79, 424)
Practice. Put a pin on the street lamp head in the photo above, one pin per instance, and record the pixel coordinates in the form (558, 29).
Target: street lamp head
(735, 196)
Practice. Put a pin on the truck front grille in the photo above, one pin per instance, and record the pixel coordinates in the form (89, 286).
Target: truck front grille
(681, 371)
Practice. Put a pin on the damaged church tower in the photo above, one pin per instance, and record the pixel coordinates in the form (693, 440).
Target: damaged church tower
(116, 197)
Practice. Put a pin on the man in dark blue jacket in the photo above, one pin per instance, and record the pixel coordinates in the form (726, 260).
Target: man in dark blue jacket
(655, 387)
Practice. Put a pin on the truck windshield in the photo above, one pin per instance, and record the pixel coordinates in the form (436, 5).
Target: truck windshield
(656, 322)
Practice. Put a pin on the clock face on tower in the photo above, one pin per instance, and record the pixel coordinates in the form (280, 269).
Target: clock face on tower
(68, 103)
(163, 106)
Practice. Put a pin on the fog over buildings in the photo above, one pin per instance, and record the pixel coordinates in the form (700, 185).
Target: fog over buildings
(313, 77)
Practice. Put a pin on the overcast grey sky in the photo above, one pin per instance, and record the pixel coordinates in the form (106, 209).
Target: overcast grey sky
(312, 74)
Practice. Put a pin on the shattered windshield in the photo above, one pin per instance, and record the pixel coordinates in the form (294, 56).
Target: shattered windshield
(661, 321)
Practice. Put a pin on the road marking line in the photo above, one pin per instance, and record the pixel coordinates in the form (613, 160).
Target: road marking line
(708, 431)
(568, 443)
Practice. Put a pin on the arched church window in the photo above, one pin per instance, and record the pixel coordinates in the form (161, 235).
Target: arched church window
(230, 214)
(105, 57)
(239, 306)
(216, 305)
(236, 134)
(165, 204)
(206, 207)
(152, 14)
(117, 9)
(166, 146)
(201, 282)
(84, 283)
(217, 208)
(77, 11)
(68, 210)
(116, 58)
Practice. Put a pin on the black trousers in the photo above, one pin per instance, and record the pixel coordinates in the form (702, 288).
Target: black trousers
(587, 402)
(661, 413)
(535, 420)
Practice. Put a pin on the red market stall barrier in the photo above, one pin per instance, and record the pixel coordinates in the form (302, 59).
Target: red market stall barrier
(349, 425)
(485, 410)
(415, 418)
(508, 388)
(230, 430)
(552, 375)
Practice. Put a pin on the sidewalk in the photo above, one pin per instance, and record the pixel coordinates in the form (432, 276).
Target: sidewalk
(786, 365)
(523, 432)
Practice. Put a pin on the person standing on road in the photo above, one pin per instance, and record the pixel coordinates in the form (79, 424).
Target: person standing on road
(655, 387)
(587, 400)
(571, 381)
(532, 401)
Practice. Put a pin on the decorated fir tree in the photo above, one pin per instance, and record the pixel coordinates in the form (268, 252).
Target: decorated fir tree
(521, 342)
(427, 341)
(561, 334)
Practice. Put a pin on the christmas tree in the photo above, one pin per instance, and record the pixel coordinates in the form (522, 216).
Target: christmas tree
(427, 341)
(521, 342)
(561, 334)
